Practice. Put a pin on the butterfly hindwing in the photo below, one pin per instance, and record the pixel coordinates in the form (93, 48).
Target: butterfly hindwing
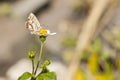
(32, 23)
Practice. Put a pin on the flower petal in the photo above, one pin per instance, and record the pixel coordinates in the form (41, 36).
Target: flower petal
(52, 33)
(49, 33)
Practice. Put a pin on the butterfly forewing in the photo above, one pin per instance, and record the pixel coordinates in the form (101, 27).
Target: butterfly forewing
(32, 23)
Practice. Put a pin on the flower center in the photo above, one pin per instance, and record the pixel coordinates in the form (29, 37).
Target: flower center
(43, 32)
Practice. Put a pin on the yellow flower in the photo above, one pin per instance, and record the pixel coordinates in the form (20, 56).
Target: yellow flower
(44, 32)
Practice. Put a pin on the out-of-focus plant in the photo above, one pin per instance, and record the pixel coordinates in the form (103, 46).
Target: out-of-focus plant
(67, 55)
(118, 63)
(93, 63)
(104, 76)
(80, 5)
(68, 42)
(101, 64)
(5, 8)
(80, 75)
(45, 74)
(96, 47)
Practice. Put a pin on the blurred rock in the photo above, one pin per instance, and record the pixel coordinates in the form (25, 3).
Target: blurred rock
(20, 67)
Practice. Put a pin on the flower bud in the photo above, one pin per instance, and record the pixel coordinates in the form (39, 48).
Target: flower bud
(47, 62)
(42, 38)
(31, 54)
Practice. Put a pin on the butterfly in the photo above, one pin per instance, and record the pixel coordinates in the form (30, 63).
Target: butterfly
(34, 26)
(32, 23)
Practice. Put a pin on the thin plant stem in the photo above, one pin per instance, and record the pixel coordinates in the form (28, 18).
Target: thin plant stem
(39, 58)
(33, 66)
(32, 78)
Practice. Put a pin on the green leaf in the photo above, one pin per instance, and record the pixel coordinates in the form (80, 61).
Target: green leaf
(25, 76)
(47, 76)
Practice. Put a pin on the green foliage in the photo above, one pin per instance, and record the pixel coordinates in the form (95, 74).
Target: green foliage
(47, 76)
(44, 66)
(96, 46)
(93, 63)
(79, 5)
(85, 55)
(68, 41)
(104, 76)
(80, 75)
(118, 63)
(25, 76)
(5, 9)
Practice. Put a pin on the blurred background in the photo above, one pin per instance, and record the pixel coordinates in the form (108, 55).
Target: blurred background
(86, 46)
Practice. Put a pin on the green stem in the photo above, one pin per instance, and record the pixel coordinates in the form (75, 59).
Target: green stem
(32, 78)
(39, 58)
(32, 66)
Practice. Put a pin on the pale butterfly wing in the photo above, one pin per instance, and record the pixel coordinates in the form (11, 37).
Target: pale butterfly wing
(32, 23)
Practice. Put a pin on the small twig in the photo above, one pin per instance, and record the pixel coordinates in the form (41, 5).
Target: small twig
(107, 17)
